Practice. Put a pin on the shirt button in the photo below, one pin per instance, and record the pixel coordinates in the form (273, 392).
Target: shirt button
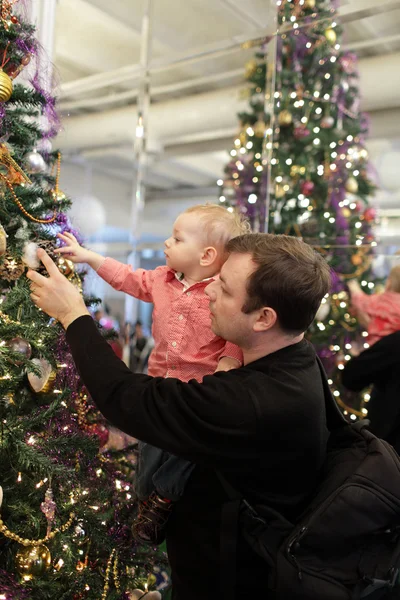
(173, 344)
(180, 317)
(189, 293)
(173, 368)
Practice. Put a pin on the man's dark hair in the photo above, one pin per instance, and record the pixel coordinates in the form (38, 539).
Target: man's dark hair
(291, 277)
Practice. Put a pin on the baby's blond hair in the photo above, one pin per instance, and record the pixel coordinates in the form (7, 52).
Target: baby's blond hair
(219, 224)
(394, 277)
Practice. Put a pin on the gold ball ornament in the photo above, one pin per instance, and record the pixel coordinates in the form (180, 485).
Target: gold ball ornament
(309, 4)
(285, 118)
(259, 128)
(356, 259)
(346, 213)
(297, 170)
(43, 383)
(137, 594)
(242, 137)
(58, 195)
(279, 191)
(6, 86)
(351, 185)
(330, 35)
(250, 68)
(65, 266)
(33, 561)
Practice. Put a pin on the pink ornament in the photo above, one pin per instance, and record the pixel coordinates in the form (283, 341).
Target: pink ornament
(348, 62)
(48, 508)
(307, 187)
(327, 122)
(370, 214)
(301, 132)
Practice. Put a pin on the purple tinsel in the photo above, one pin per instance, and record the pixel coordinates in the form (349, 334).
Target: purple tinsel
(10, 588)
(62, 224)
(49, 108)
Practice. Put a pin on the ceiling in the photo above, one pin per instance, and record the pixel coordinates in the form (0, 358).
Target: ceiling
(196, 72)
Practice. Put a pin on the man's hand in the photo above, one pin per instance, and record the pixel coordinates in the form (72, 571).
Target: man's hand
(226, 364)
(55, 295)
(74, 252)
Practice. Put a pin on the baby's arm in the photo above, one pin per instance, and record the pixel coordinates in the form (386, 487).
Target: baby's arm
(231, 358)
(74, 252)
(121, 277)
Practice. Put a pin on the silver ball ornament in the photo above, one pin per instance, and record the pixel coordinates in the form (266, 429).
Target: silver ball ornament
(20, 346)
(35, 163)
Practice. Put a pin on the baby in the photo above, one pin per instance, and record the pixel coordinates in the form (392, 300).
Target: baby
(185, 346)
(380, 313)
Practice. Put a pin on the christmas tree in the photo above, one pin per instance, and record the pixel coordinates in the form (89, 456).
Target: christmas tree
(67, 500)
(309, 153)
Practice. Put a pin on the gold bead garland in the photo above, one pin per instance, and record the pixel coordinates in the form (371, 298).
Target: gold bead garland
(57, 194)
(25, 542)
(20, 206)
(107, 576)
(117, 582)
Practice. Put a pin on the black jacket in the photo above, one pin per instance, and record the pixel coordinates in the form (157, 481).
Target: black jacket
(263, 426)
(379, 366)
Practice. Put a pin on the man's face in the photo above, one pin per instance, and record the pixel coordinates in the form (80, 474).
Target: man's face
(184, 248)
(227, 296)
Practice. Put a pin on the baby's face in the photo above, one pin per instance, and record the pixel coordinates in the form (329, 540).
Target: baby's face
(183, 250)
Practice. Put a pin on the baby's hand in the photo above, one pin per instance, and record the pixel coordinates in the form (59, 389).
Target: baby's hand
(72, 249)
(227, 364)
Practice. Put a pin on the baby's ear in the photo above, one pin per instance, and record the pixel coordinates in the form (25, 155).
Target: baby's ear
(209, 256)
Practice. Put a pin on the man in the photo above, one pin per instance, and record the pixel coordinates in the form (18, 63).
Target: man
(263, 426)
(379, 366)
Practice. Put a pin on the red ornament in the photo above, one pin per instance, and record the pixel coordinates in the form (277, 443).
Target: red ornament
(100, 431)
(14, 20)
(370, 214)
(301, 132)
(307, 187)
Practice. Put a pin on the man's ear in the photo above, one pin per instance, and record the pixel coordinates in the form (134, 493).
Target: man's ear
(266, 319)
(208, 256)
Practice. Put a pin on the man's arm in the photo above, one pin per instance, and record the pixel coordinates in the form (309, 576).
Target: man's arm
(198, 421)
(369, 366)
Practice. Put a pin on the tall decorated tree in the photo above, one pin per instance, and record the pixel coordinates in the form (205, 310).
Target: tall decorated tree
(309, 150)
(66, 497)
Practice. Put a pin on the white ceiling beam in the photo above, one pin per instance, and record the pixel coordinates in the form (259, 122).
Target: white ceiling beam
(358, 9)
(375, 41)
(156, 91)
(240, 12)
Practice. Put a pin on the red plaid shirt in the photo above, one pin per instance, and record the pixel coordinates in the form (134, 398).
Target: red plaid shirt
(383, 310)
(185, 347)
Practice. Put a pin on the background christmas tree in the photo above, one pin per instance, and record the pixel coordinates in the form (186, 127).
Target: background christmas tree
(318, 165)
(66, 507)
